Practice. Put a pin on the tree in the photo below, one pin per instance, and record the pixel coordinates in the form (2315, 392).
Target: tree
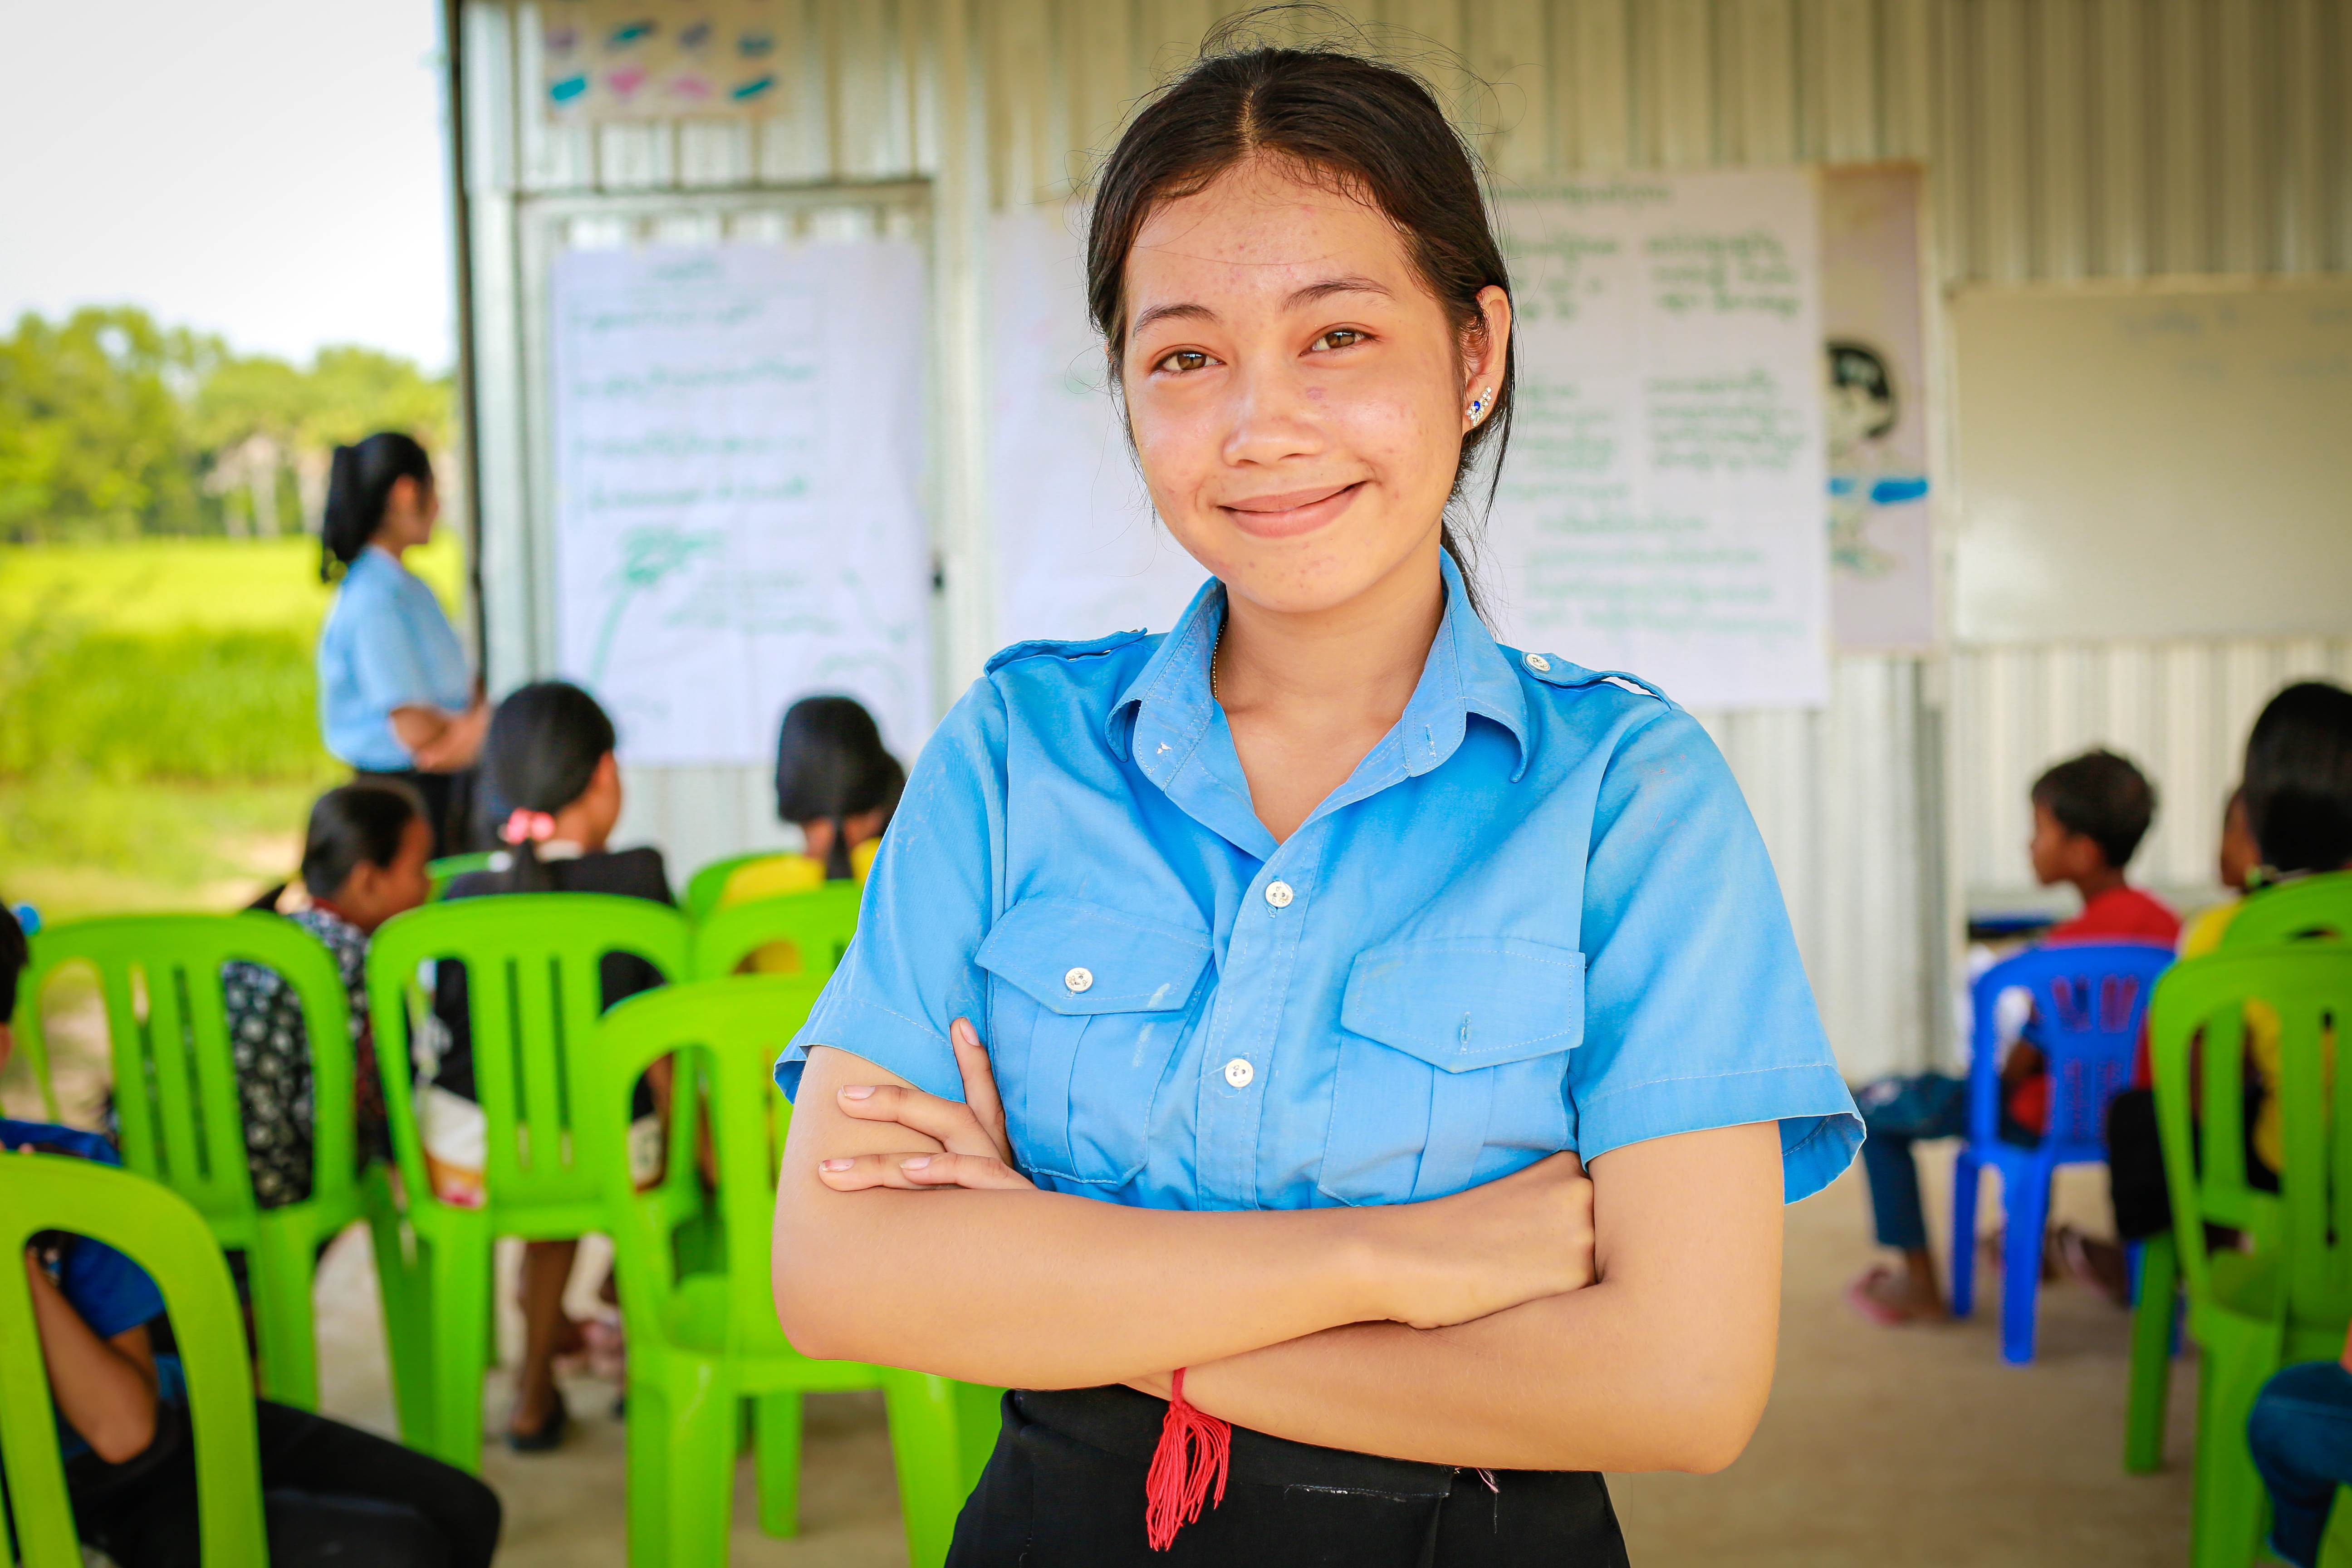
(93, 437)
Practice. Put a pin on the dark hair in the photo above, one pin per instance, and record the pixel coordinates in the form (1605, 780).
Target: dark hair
(16, 953)
(2103, 798)
(1370, 130)
(1858, 364)
(358, 487)
(2299, 778)
(830, 765)
(354, 824)
(544, 743)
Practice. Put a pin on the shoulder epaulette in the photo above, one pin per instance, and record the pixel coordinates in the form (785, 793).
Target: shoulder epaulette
(1554, 670)
(1052, 648)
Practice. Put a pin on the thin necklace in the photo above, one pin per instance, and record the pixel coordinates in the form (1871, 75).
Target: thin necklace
(1215, 648)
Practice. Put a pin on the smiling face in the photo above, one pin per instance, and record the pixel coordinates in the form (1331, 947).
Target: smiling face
(1297, 395)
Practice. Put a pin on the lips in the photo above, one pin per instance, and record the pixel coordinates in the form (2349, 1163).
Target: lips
(1291, 512)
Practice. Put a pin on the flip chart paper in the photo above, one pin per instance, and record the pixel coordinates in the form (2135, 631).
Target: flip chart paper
(739, 439)
(1660, 510)
(1080, 552)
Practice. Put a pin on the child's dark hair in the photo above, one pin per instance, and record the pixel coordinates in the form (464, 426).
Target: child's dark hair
(359, 485)
(1356, 125)
(2299, 778)
(830, 765)
(1858, 364)
(16, 953)
(2103, 798)
(356, 824)
(544, 743)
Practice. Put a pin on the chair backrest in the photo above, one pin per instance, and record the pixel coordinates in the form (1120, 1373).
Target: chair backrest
(728, 1034)
(2089, 999)
(534, 991)
(448, 868)
(175, 1090)
(704, 888)
(160, 1233)
(2203, 1005)
(2309, 908)
(817, 925)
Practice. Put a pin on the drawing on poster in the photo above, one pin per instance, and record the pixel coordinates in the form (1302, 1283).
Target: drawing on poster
(1882, 539)
(727, 539)
(1660, 508)
(1080, 552)
(634, 59)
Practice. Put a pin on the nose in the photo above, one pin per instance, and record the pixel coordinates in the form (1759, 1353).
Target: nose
(1269, 418)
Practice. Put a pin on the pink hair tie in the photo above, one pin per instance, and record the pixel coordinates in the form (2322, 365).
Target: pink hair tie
(532, 827)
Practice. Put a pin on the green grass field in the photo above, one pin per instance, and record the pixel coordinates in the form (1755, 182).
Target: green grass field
(159, 736)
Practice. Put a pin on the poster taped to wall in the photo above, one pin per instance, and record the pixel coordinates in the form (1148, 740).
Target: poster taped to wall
(666, 59)
(1882, 536)
(738, 440)
(1080, 552)
(1660, 512)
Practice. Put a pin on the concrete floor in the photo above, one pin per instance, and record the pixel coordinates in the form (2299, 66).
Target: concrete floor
(1881, 1447)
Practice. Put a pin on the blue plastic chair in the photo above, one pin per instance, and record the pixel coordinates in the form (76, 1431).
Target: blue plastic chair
(2089, 999)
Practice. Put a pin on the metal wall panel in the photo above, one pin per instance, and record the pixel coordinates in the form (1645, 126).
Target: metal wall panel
(2066, 139)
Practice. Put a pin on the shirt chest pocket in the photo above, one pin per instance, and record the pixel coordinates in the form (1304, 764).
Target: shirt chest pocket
(1092, 1004)
(1453, 1066)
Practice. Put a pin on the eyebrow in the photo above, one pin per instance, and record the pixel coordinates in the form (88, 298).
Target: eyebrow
(1308, 295)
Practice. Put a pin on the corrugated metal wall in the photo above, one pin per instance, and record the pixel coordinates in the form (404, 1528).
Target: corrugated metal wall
(2065, 138)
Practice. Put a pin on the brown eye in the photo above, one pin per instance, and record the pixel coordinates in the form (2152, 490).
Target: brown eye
(1336, 338)
(1183, 360)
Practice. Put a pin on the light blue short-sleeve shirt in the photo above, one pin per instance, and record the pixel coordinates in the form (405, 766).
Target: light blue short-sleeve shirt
(1536, 918)
(386, 644)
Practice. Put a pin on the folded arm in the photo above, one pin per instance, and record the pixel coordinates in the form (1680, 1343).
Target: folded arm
(105, 1388)
(994, 1282)
(1663, 1364)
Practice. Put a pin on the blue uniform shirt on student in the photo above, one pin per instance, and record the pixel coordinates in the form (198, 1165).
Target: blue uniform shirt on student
(1536, 917)
(109, 1291)
(387, 645)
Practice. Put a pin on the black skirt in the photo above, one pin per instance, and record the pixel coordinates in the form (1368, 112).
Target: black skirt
(1065, 1489)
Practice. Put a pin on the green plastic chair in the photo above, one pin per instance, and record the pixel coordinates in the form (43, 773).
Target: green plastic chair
(164, 1235)
(450, 867)
(2307, 907)
(2311, 908)
(534, 991)
(2289, 1298)
(818, 924)
(704, 888)
(702, 1341)
(176, 1095)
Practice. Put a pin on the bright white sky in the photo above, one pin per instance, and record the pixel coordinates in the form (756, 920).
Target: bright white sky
(269, 170)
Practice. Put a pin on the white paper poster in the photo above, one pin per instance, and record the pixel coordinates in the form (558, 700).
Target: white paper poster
(1080, 552)
(1661, 507)
(738, 470)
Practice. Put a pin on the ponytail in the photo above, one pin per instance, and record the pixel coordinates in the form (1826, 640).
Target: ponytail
(543, 748)
(830, 765)
(359, 486)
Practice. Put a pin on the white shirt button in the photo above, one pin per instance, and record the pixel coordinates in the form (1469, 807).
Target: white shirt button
(1280, 895)
(1239, 1073)
(1078, 979)
(1538, 663)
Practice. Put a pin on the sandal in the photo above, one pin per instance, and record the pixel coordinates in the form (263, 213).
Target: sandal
(551, 1432)
(1861, 1296)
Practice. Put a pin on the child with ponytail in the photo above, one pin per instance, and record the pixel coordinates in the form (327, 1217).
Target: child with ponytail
(555, 794)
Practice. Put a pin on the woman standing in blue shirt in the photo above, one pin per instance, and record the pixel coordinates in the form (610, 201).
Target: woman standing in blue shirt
(1321, 948)
(396, 698)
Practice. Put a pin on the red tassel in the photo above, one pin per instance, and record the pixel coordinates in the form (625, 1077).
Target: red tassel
(1192, 1445)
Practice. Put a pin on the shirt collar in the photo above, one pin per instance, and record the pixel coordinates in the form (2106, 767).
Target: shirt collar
(1466, 672)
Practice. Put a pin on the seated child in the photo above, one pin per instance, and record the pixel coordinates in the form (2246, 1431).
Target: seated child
(550, 765)
(2301, 1434)
(2296, 803)
(330, 1493)
(363, 861)
(2089, 817)
(838, 785)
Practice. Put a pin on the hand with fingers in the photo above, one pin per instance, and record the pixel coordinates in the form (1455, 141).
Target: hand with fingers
(974, 1150)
